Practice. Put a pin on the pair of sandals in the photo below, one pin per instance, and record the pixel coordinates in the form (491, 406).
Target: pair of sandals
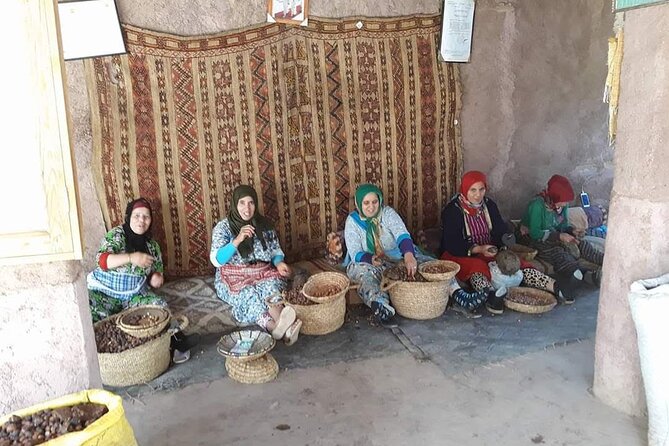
(287, 326)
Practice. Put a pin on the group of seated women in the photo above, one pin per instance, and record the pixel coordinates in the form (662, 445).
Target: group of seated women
(251, 272)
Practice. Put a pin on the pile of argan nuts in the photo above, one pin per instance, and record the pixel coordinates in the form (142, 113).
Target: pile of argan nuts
(48, 424)
(296, 297)
(399, 273)
(109, 338)
(324, 290)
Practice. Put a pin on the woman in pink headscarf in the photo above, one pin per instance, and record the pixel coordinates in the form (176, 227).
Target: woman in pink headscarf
(472, 231)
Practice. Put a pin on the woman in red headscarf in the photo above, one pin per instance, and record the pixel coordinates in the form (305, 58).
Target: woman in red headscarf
(472, 231)
(545, 227)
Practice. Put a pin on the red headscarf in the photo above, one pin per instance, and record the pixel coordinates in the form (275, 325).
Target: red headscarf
(468, 180)
(559, 190)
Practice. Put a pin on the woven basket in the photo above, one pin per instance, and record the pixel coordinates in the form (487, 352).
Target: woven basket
(417, 300)
(162, 314)
(326, 279)
(451, 267)
(320, 319)
(524, 252)
(545, 300)
(257, 371)
(136, 365)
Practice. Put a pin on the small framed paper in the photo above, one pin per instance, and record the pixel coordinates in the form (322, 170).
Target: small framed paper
(456, 30)
(622, 5)
(288, 11)
(90, 28)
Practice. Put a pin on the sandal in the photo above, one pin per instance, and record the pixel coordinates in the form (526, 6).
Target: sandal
(286, 319)
(292, 333)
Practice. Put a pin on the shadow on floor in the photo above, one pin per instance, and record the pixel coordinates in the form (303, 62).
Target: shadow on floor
(452, 342)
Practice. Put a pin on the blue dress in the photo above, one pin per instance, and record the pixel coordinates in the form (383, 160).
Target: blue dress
(248, 303)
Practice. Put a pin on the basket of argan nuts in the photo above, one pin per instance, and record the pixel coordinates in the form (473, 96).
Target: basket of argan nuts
(529, 300)
(415, 297)
(321, 303)
(438, 270)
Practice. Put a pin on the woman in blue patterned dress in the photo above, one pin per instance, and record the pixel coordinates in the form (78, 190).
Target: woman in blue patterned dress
(376, 237)
(250, 267)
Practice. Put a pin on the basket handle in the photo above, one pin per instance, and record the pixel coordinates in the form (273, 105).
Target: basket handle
(182, 323)
(387, 284)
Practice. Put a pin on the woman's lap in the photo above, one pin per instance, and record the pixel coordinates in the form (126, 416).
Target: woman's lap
(249, 303)
(470, 265)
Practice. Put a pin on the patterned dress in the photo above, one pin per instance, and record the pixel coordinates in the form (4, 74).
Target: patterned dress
(112, 291)
(247, 297)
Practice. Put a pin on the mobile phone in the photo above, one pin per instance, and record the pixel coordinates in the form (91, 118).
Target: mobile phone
(585, 200)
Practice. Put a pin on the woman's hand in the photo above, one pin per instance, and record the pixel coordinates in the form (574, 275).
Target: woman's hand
(156, 280)
(567, 238)
(245, 232)
(141, 259)
(284, 269)
(411, 264)
(376, 260)
(485, 250)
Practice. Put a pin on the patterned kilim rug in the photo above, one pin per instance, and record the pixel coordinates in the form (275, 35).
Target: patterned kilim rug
(304, 114)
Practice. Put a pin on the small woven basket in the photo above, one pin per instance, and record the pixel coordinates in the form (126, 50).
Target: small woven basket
(320, 319)
(257, 371)
(319, 281)
(161, 314)
(524, 252)
(136, 365)
(417, 300)
(450, 270)
(544, 301)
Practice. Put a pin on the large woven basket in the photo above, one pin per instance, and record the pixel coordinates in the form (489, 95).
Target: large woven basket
(325, 280)
(136, 365)
(544, 301)
(417, 300)
(257, 371)
(450, 270)
(320, 319)
(161, 315)
(524, 252)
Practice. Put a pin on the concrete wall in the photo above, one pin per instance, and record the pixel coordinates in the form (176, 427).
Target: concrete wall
(637, 246)
(533, 97)
(46, 337)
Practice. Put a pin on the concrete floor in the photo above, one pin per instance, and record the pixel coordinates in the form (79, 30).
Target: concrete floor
(505, 380)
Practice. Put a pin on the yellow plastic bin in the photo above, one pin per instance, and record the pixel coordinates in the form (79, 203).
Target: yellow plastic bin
(112, 429)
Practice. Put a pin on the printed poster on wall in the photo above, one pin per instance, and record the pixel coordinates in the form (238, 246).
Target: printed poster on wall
(456, 30)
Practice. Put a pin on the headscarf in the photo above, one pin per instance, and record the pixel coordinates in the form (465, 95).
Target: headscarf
(559, 190)
(136, 242)
(258, 221)
(372, 235)
(468, 180)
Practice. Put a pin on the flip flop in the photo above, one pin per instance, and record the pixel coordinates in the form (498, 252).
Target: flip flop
(292, 333)
(286, 319)
(180, 357)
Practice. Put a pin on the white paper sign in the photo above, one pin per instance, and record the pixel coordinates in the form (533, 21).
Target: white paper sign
(456, 30)
(90, 28)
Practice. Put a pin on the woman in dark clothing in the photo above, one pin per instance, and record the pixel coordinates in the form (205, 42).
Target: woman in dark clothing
(472, 231)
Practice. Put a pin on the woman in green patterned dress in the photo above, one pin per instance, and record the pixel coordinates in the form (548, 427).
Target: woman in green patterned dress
(129, 265)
